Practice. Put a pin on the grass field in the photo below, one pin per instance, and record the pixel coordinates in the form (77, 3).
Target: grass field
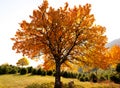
(21, 81)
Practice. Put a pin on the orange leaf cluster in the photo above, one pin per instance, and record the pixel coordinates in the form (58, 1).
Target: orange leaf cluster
(113, 54)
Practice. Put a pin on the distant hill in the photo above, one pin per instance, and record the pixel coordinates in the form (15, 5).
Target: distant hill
(114, 42)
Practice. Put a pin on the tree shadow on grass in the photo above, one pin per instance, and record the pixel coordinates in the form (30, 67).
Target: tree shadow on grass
(50, 85)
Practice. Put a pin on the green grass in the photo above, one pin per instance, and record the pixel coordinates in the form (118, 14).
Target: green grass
(21, 81)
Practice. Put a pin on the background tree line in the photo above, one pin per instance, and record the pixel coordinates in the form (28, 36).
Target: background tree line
(92, 76)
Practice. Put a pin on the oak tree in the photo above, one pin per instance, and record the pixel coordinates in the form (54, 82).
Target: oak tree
(65, 36)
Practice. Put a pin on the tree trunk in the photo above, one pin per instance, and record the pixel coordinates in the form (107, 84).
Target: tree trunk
(58, 83)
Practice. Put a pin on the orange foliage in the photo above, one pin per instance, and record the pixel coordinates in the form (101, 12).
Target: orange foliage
(66, 36)
(113, 54)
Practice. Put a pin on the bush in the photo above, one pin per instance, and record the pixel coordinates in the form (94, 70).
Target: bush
(65, 74)
(39, 71)
(82, 79)
(74, 75)
(107, 77)
(50, 72)
(23, 71)
(115, 78)
(8, 69)
(34, 71)
(86, 78)
(118, 68)
(79, 75)
(102, 78)
(54, 73)
(4, 69)
(93, 78)
(43, 73)
(13, 70)
(19, 69)
(30, 69)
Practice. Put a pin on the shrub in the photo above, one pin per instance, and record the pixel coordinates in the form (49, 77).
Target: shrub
(30, 69)
(13, 70)
(34, 71)
(43, 73)
(4, 69)
(79, 75)
(86, 78)
(74, 75)
(23, 71)
(1, 70)
(55, 73)
(107, 76)
(93, 78)
(39, 71)
(115, 78)
(50, 72)
(112, 78)
(8, 69)
(19, 69)
(82, 79)
(65, 74)
(102, 78)
(118, 68)
(69, 74)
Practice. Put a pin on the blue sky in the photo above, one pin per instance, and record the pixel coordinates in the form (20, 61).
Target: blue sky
(12, 12)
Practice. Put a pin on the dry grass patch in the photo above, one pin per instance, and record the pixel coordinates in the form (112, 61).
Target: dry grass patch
(21, 81)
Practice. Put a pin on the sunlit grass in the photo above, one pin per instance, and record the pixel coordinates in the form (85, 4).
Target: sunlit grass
(21, 81)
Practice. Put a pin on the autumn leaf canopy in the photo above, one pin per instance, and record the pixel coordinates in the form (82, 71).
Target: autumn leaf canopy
(65, 34)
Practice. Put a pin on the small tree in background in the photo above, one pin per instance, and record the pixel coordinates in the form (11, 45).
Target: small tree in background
(23, 62)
